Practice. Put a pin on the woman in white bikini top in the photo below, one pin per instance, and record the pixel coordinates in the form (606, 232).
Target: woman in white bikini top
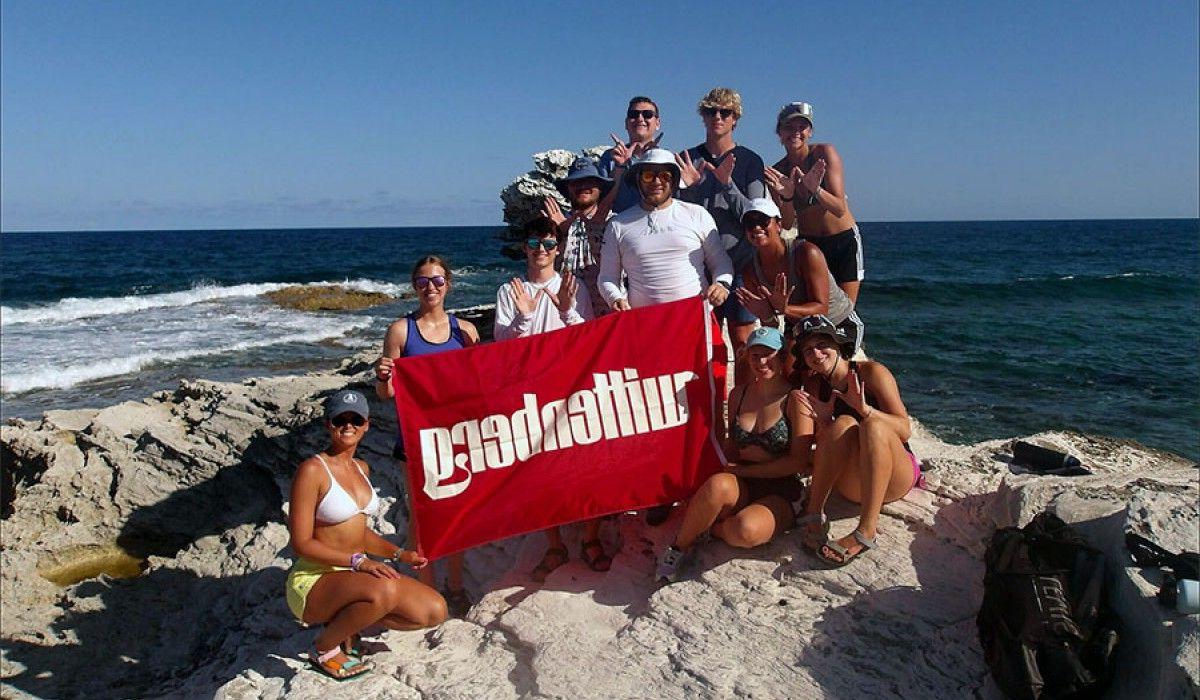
(343, 577)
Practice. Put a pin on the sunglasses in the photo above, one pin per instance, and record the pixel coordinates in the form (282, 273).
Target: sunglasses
(648, 176)
(548, 244)
(646, 114)
(343, 419)
(422, 282)
(751, 221)
(713, 111)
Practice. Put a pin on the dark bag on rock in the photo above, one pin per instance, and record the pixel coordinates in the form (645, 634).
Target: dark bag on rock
(1046, 628)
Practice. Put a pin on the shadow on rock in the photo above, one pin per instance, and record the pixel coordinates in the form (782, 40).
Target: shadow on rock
(149, 635)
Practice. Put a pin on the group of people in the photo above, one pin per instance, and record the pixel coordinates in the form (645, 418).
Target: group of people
(648, 226)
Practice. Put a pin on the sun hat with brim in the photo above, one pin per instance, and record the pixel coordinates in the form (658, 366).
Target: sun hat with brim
(762, 205)
(819, 325)
(346, 401)
(583, 168)
(654, 156)
(766, 337)
(794, 110)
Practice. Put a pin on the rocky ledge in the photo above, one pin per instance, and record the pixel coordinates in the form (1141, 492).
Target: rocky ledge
(187, 490)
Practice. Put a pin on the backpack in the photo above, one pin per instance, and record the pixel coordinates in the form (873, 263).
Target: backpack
(1045, 625)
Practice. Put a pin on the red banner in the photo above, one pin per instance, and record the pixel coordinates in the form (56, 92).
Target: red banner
(607, 416)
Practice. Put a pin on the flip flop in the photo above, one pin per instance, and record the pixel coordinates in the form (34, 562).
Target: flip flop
(600, 562)
(324, 663)
(544, 567)
(868, 543)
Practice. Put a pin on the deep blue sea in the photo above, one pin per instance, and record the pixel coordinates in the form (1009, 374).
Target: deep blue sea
(993, 329)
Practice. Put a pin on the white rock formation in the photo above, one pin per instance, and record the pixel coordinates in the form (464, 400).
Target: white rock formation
(195, 480)
(523, 197)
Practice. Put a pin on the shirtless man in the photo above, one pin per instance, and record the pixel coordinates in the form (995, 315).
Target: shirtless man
(809, 186)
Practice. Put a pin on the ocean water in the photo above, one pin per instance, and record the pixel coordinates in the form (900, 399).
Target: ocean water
(993, 329)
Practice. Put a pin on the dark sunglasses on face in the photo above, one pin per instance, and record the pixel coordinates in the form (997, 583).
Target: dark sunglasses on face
(646, 114)
(648, 176)
(752, 221)
(547, 243)
(713, 111)
(351, 418)
(422, 282)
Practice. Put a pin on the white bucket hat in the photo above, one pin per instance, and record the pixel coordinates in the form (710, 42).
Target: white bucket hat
(654, 156)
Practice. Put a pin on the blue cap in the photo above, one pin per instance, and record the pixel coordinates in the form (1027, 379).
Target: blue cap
(346, 401)
(584, 167)
(766, 337)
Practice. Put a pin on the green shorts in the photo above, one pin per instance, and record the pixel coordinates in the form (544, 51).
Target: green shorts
(301, 579)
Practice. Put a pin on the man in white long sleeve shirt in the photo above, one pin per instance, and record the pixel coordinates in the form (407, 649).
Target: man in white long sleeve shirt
(667, 249)
(543, 301)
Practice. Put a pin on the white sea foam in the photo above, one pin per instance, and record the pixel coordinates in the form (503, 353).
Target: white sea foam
(73, 308)
(59, 376)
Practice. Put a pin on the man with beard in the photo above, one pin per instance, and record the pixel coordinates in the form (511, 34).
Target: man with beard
(667, 250)
(581, 233)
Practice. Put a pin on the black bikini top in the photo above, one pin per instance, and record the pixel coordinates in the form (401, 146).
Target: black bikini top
(774, 440)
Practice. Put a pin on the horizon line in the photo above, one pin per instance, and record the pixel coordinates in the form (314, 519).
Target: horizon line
(504, 225)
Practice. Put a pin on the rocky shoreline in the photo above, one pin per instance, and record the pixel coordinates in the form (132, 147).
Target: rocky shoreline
(189, 486)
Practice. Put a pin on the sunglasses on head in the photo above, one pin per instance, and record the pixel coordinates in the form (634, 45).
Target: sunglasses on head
(648, 176)
(713, 111)
(547, 243)
(354, 419)
(422, 282)
(646, 114)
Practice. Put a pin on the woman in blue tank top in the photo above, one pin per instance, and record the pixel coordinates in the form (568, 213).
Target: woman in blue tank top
(426, 331)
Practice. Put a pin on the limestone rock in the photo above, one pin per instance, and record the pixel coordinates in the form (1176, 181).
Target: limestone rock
(193, 483)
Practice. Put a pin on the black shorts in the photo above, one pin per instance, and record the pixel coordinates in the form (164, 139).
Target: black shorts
(789, 487)
(843, 253)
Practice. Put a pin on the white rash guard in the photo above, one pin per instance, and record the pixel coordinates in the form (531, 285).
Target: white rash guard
(511, 323)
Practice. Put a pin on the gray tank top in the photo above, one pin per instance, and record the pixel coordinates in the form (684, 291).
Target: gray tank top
(840, 305)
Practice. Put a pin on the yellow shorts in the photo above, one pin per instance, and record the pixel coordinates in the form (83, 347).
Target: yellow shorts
(301, 579)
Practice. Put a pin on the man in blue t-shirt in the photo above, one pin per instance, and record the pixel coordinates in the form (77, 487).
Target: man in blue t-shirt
(642, 121)
(720, 110)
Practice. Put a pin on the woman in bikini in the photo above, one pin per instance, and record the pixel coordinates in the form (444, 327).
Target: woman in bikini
(809, 186)
(750, 502)
(426, 331)
(335, 581)
(862, 431)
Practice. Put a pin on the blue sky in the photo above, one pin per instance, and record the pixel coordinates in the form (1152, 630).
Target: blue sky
(137, 115)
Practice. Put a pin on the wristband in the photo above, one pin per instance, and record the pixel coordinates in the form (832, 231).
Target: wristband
(728, 287)
(356, 560)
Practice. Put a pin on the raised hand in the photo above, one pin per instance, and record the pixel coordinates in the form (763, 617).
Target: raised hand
(821, 412)
(811, 181)
(778, 297)
(782, 186)
(525, 304)
(565, 299)
(622, 154)
(552, 211)
(855, 395)
(689, 174)
(757, 304)
(724, 171)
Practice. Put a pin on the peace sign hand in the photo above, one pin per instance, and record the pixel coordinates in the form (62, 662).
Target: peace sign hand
(552, 211)
(781, 185)
(757, 304)
(820, 412)
(621, 154)
(724, 171)
(689, 174)
(778, 297)
(810, 181)
(525, 304)
(565, 298)
(855, 395)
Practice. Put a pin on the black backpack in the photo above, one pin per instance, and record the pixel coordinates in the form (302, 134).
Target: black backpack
(1045, 625)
